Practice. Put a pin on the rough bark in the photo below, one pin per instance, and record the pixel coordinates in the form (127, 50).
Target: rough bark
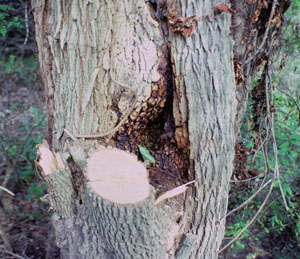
(86, 43)
(89, 51)
(115, 74)
(204, 79)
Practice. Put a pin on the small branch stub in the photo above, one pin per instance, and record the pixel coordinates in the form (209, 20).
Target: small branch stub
(117, 176)
(59, 180)
(172, 193)
(48, 161)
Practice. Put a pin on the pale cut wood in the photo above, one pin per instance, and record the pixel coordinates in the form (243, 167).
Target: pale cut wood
(117, 176)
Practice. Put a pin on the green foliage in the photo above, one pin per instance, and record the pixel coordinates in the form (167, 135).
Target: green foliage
(8, 21)
(146, 154)
(25, 68)
(10, 66)
(292, 30)
(24, 152)
(233, 230)
(36, 190)
(21, 154)
(33, 215)
(27, 145)
(274, 222)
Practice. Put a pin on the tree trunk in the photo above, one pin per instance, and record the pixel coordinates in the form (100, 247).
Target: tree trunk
(119, 74)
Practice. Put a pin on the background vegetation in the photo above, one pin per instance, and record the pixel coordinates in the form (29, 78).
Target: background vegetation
(24, 216)
(276, 231)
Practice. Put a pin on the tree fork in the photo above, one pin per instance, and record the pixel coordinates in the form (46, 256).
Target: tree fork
(75, 40)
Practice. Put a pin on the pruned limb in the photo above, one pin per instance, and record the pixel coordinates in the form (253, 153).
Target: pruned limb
(62, 192)
(59, 181)
(118, 196)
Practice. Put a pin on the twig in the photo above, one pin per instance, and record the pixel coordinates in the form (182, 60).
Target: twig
(8, 172)
(265, 34)
(251, 221)
(246, 180)
(26, 23)
(265, 147)
(8, 191)
(292, 98)
(262, 186)
(269, 100)
(250, 199)
(71, 135)
(33, 226)
(12, 254)
(262, 143)
(5, 238)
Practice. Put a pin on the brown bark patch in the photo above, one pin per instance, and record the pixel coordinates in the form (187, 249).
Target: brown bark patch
(183, 25)
(152, 126)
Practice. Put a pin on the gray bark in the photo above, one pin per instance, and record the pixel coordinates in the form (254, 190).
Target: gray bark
(105, 69)
(86, 43)
(204, 75)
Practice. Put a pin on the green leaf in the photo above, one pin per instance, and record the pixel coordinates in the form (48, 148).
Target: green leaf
(146, 154)
(279, 135)
(295, 136)
(282, 152)
(5, 7)
(34, 110)
(12, 151)
(298, 226)
(294, 153)
(250, 145)
(286, 189)
(284, 145)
